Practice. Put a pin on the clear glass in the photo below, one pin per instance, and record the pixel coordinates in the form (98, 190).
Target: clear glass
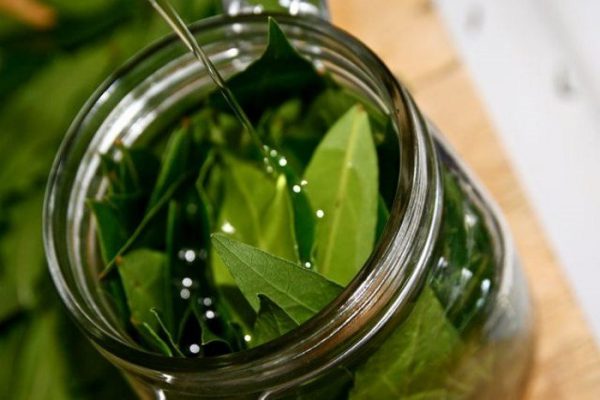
(414, 258)
(293, 7)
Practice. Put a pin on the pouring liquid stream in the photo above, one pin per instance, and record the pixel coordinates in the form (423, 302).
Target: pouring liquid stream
(171, 17)
(305, 228)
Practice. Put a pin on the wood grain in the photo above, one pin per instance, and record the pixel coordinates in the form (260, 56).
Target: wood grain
(409, 36)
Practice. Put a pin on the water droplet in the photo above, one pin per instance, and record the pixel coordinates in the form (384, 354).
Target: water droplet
(269, 169)
(265, 147)
(303, 182)
(282, 162)
(185, 293)
(296, 188)
(273, 153)
(247, 338)
(227, 228)
(210, 314)
(320, 213)
(187, 282)
(194, 348)
(308, 265)
(207, 301)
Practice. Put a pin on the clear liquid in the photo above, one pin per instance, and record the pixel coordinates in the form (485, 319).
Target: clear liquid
(170, 15)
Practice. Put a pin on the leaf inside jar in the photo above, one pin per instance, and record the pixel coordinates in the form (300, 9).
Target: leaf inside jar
(241, 241)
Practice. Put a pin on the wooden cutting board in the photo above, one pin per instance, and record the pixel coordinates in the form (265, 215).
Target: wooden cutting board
(409, 36)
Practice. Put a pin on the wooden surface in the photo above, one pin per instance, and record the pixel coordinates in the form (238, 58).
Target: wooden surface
(410, 37)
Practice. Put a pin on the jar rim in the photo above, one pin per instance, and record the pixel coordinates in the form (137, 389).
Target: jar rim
(412, 221)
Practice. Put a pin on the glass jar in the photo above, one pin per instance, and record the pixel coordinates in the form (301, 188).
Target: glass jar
(439, 311)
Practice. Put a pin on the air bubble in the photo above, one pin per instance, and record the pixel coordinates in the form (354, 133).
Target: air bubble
(189, 256)
(194, 348)
(185, 293)
(320, 213)
(296, 188)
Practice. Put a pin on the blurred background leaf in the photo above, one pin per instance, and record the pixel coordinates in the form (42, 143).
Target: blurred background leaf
(53, 54)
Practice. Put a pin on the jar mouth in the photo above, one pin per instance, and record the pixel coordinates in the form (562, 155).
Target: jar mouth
(388, 280)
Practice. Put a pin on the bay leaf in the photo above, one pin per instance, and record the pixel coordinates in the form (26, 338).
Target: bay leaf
(268, 81)
(415, 360)
(42, 369)
(342, 188)
(173, 347)
(187, 244)
(112, 235)
(153, 339)
(271, 322)
(181, 157)
(465, 283)
(256, 210)
(298, 291)
(22, 262)
(143, 274)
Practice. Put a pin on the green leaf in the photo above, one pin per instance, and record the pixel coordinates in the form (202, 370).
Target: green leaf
(12, 342)
(198, 330)
(208, 337)
(256, 210)
(415, 360)
(271, 322)
(298, 291)
(172, 345)
(154, 339)
(181, 157)
(342, 188)
(270, 80)
(465, 283)
(151, 214)
(136, 171)
(143, 274)
(9, 299)
(42, 370)
(77, 76)
(236, 307)
(22, 263)
(112, 235)
(26, 51)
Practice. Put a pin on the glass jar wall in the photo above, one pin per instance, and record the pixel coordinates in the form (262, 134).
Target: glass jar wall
(440, 309)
